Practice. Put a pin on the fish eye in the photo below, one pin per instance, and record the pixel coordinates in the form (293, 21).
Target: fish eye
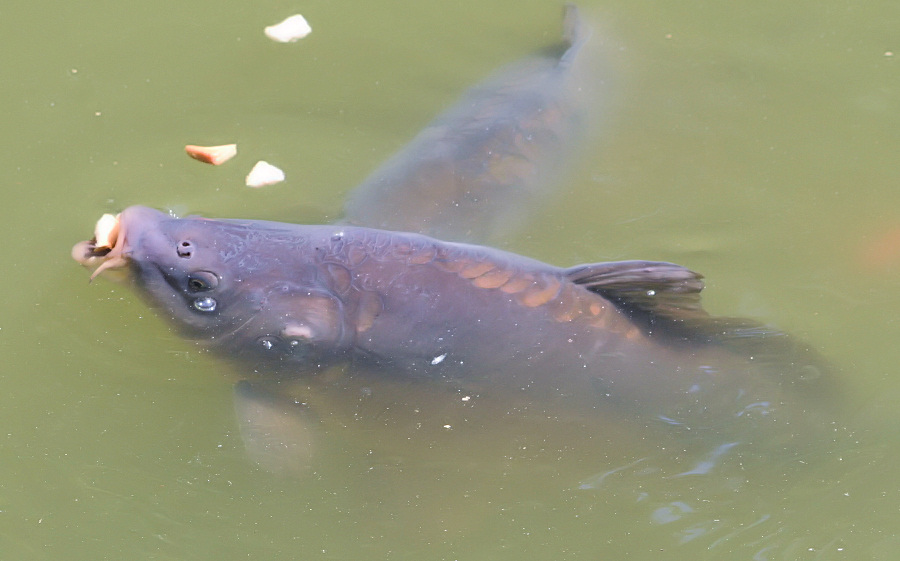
(185, 249)
(201, 281)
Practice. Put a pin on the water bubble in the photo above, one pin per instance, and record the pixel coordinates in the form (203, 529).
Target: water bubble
(205, 304)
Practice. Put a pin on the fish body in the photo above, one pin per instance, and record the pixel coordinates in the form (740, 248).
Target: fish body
(296, 299)
(480, 167)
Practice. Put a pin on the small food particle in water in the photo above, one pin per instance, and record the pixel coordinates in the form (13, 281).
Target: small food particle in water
(106, 231)
(290, 30)
(264, 173)
(215, 155)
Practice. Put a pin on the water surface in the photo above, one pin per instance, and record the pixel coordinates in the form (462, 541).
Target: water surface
(754, 143)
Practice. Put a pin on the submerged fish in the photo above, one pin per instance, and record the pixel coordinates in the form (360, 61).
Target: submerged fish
(478, 169)
(423, 325)
(297, 299)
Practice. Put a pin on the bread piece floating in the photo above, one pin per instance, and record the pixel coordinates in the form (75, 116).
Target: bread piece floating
(215, 155)
(106, 232)
(290, 30)
(264, 173)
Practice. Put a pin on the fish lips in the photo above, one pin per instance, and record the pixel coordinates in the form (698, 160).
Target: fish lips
(117, 252)
(155, 250)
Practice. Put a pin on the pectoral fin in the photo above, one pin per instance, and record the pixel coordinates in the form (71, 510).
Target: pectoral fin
(278, 432)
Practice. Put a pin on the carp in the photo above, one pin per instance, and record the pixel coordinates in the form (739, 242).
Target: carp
(288, 299)
(476, 171)
(375, 315)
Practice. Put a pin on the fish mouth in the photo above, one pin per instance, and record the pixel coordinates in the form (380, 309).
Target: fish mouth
(106, 250)
(109, 249)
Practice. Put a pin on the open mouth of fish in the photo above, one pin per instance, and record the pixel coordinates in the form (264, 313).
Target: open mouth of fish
(107, 249)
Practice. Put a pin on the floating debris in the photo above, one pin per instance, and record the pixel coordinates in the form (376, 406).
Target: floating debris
(290, 30)
(264, 173)
(215, 155)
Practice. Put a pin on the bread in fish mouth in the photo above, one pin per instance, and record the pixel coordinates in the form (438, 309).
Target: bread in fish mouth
(103, 251)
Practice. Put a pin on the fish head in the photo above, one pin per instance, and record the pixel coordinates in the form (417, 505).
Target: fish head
(236, 286)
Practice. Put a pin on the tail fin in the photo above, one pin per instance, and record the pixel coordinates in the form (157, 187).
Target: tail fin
(575, 33)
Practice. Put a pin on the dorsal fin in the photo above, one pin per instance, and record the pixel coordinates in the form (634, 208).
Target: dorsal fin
(659, 297)
(664, 300)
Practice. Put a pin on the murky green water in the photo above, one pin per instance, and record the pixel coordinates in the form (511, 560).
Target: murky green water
(756, 143)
